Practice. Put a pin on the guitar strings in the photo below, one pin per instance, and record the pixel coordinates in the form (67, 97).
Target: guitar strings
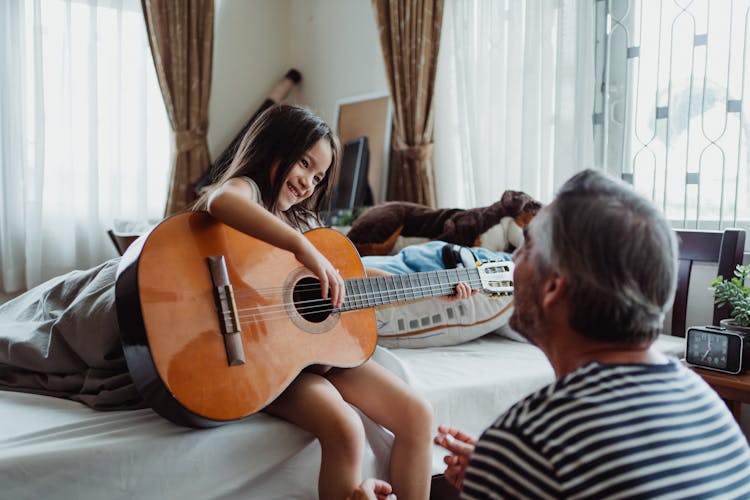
(355, 294)
(324, 307)
(407, 293)
(316, 284)
(319, 305)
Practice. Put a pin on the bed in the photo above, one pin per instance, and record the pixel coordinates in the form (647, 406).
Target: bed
(57, 448)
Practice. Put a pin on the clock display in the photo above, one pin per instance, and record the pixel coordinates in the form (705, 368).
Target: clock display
(717, 348)
(708, 349)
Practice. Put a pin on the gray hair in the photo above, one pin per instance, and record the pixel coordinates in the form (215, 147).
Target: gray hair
(618, 254)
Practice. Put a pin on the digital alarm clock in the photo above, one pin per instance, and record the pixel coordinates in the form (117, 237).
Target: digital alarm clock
(717, 348)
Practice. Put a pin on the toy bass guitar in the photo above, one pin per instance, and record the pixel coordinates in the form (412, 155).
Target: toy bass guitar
(216, 324)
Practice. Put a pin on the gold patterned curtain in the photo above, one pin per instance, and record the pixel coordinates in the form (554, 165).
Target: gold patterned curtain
(181, 34)
(410, 39)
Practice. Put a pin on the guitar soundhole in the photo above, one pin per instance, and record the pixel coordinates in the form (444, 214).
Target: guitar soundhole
(308, 301)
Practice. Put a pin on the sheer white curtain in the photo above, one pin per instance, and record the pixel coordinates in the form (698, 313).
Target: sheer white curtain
(85, 139)
(514, 98)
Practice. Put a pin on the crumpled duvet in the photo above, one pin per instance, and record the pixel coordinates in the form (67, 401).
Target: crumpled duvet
(61, 339)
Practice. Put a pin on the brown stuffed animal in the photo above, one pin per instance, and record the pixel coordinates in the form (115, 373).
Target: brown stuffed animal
(379, 230)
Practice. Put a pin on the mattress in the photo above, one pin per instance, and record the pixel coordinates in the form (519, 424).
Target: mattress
(470, 384)
(56, 448)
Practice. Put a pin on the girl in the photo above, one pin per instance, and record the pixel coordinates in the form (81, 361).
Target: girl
(62, 338)
(274, 188)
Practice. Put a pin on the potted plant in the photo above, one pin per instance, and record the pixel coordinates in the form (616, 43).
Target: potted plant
(734, 293)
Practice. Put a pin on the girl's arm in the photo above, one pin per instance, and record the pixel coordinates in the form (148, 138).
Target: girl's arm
(233, 204)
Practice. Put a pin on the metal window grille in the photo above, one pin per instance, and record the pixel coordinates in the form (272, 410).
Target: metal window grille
(671, 116)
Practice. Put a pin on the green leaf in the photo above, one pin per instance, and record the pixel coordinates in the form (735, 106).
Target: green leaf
(734, 293)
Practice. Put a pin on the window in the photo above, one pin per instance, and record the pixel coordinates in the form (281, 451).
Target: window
(102, 105)
(671, 117)
(513, 101)
(86, 138)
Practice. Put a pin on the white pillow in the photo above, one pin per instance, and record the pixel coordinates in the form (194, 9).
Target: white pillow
(509, 333)
(436, 322)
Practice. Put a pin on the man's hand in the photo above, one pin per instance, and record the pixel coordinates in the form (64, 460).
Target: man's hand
(461, 445)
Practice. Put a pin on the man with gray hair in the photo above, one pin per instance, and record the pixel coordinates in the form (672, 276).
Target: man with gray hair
(593, 280)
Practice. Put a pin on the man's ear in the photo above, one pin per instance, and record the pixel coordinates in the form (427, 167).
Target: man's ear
(554, 290)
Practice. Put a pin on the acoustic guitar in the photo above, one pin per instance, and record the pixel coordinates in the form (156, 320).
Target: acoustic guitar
(216, 324)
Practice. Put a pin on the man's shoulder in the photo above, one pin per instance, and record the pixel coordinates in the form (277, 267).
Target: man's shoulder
(531, 408)
(586, 386)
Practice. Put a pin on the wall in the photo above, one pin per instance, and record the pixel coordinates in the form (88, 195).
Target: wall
(333, 43)
(336, 46)
(251, 43)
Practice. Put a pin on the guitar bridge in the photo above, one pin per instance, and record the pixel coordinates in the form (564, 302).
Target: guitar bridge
(227, 309)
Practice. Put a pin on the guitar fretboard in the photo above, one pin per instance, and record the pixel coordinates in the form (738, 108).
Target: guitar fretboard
(362, 293)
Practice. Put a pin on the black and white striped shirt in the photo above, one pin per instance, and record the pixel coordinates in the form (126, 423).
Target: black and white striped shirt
(614, 431)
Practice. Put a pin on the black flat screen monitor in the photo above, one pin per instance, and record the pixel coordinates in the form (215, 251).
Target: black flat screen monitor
(352, 189)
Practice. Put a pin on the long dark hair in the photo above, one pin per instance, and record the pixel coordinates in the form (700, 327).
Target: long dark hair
(283, 133)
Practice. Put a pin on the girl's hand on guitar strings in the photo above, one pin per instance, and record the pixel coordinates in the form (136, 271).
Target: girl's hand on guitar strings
(463, 291)
(330, 279)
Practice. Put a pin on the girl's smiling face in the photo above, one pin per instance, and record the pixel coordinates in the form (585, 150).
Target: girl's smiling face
(305, 175)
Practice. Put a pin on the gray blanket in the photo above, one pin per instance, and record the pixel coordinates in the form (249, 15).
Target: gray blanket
(61, 339)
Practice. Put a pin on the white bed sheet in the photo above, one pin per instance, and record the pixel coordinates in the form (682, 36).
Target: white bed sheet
(55, 448)
(471, 384)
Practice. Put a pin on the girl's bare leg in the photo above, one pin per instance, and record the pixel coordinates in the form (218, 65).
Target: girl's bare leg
(313, 403)
(389, 401)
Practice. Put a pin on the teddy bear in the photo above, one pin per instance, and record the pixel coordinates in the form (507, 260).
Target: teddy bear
(387, 227)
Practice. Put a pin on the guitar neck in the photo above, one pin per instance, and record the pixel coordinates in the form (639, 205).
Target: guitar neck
(362, 293)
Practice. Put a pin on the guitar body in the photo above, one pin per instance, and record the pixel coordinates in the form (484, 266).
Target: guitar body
(170, 321)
